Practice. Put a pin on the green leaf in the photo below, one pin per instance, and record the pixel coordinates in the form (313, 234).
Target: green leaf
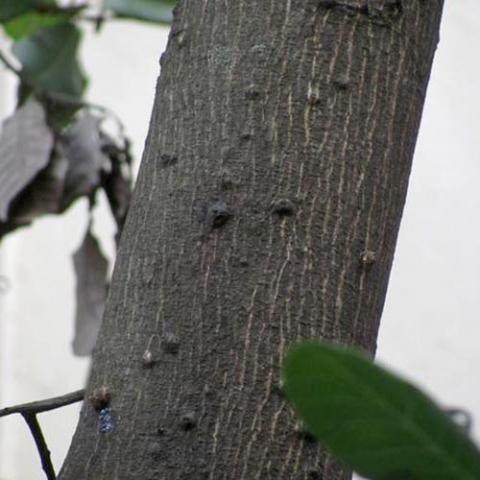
(157, 11)
(13, 8)
(49, 59)
(376, 423)
(27, 24)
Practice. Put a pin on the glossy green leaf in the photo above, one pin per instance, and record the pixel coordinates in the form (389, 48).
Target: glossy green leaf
(13, 8)
(157, 11)
(376, 423)
(49, 59)
(29, 23)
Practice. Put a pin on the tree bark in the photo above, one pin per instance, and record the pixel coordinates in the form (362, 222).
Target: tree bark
(266, 211)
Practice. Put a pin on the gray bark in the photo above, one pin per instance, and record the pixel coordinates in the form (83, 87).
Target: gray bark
(266, 212)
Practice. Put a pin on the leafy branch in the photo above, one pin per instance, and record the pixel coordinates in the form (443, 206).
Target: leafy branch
(60, 98)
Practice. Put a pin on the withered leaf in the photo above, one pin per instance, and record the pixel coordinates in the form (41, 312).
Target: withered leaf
(43, 195)
(83, 148)
(25, 146)
(117, 182)
(91, 270)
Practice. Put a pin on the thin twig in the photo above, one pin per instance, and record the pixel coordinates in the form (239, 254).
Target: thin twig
(10, 66)
(44, 405)
(42, 447)
(29, 413)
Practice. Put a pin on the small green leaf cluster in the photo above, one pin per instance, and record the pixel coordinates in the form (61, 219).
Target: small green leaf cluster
(46, 37)
(376, 423)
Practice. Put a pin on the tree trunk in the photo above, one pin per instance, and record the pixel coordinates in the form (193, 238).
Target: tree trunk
(266, 212)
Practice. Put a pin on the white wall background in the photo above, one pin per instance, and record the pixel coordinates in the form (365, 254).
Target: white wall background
(36, 312)
(430, 328)
(431, 324)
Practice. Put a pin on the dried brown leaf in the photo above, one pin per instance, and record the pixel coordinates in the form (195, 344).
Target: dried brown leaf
(83, 148)
(91, 270)
(25, 146)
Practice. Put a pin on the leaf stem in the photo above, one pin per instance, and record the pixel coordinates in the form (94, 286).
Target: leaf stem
(9, 65)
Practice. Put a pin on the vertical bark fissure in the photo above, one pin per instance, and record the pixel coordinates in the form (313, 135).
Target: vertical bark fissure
(266, 211)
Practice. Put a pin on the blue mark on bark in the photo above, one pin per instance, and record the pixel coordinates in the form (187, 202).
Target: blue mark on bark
(107, 421)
